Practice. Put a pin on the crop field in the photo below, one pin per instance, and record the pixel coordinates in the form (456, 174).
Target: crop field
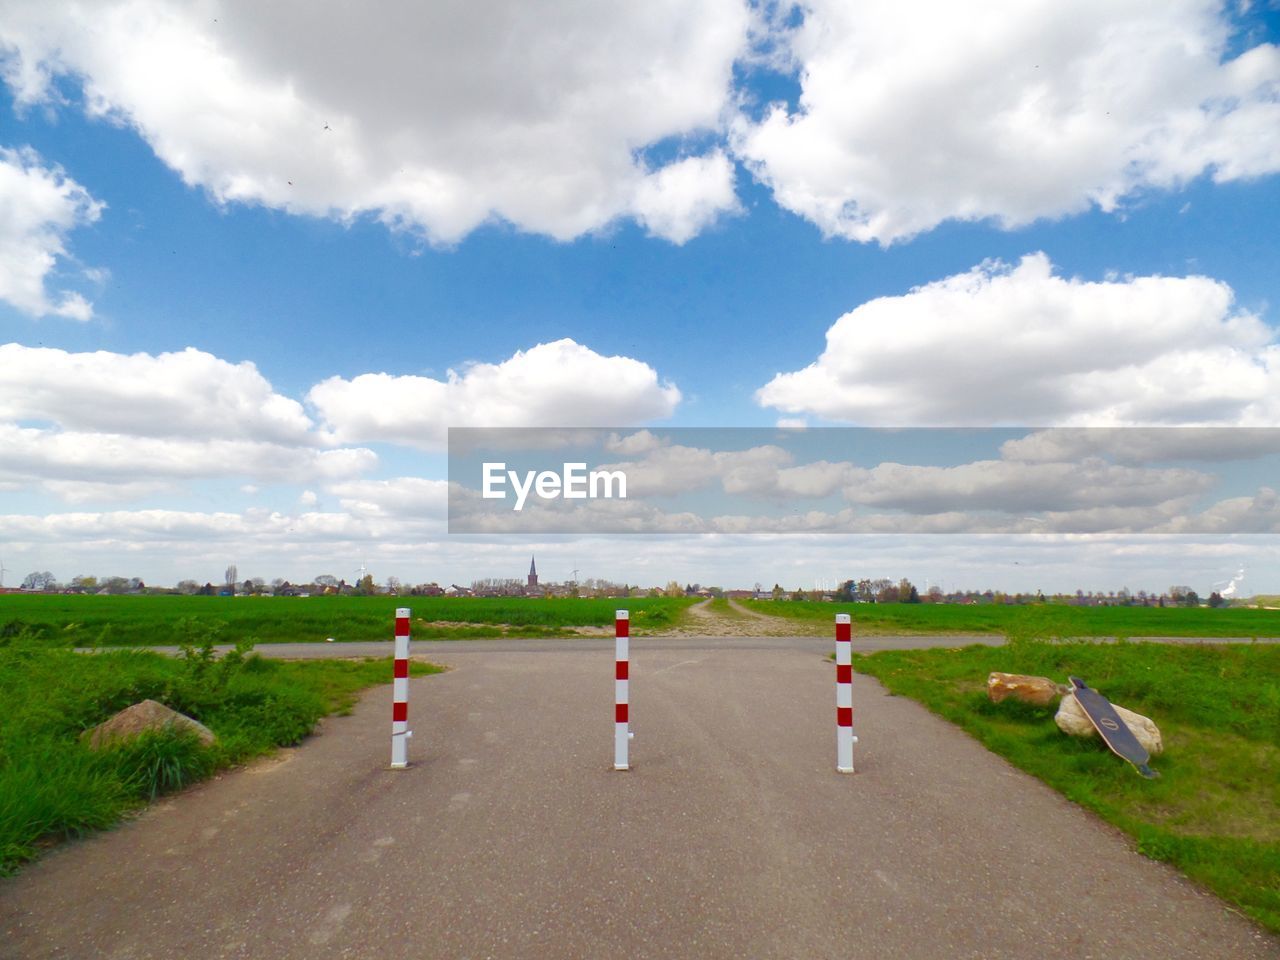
(1034, 621)
(1215, 811)
(70, 620)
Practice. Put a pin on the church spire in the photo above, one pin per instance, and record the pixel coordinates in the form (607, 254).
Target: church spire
(533, 572)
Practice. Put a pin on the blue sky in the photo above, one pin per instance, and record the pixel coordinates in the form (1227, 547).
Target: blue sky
(1023, 220)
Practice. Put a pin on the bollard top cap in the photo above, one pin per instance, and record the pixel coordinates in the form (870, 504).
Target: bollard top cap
(622, 615)
(402, 612)
(842, 618)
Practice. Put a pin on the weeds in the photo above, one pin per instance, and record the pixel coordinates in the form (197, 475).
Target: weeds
(54, 787)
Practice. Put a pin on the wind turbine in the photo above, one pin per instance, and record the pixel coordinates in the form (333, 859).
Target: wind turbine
(3, 570)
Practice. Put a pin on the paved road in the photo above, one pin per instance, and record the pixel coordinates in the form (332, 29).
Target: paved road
(511, 836)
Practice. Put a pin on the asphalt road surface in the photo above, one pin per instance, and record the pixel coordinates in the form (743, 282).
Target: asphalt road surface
(510, 835)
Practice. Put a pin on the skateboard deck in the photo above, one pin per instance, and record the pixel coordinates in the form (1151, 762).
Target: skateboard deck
(1115, 732)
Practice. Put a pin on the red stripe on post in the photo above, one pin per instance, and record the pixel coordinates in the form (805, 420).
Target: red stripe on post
(622, 628)
(844, 632)
(399, 711)
(844, 673)
(623, 668)
(402, 626)
(401, 668)
(619, 713)
(844, 716)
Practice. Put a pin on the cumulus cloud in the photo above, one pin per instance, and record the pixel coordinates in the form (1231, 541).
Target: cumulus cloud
(1011, 345)
(102, 427)
(549, 384)
(188, 394)
(436, 117)
(39, 206)
(918, 112)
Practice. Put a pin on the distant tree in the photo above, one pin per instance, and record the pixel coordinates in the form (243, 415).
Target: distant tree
(393, 585)
(798, 595)
(1191, 598)
(844, 593)
(85, 583)
(325, 580)
(935, 594)
(778, 592)
(674, 589)
(866, 593)
(1215, 600)
(38, 580)
(114, 584)
(229, 578)
(188, 587)
(913, 596)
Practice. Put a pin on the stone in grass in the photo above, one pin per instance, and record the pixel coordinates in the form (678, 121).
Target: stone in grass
(1038, 691)
(1072, 719)
(140, 718)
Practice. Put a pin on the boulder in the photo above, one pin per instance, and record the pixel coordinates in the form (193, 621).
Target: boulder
(1072, 719)
(1040, 691)
(139, 718)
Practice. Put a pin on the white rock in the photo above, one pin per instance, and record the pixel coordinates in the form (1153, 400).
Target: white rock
(1072, 719)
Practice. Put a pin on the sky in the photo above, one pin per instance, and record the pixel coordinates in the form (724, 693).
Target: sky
(257, 259)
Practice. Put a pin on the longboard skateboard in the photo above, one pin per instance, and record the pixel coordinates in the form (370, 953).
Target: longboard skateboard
(1115, 732)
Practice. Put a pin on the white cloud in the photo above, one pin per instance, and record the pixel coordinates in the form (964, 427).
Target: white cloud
(1018, 487)
(680, 200)
(1019, 345)
(560, 383)
(103, 427)
(913, 113)
(47, 454)
(39, 206)
(398, 498)
(190, 394)
(436, 117)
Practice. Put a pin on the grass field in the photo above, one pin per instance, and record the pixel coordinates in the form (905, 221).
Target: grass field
(52, 787)
(1035, 621)
(1215, 811)
(149, 620)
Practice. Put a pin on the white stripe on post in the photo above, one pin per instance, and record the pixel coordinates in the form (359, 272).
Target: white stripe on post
(844, 694)
(400, 694)
(621, 693)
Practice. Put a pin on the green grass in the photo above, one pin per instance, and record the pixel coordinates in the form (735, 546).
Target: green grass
(149, 620)
(1215, 811)
(1036, 620)
(53, 787)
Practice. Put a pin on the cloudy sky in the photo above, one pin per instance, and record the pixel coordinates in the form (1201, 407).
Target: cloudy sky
(256, 259)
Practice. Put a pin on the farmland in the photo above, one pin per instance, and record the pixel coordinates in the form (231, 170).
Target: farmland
(69, 620)
(1036, 620)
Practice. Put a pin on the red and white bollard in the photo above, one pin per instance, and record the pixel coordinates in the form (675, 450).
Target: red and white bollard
(400, 732)
(621, 695)
(844, 694)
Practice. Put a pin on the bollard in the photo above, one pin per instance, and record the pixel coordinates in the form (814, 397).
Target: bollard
(844, 694)
(621, 695)
(400, 733)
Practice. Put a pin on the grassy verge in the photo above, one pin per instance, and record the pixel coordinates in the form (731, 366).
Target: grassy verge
(1034, 621)
(53, 787)
(1215, 812)
(58, 620)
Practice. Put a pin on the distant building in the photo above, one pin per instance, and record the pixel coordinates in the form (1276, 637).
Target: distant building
(533, 574)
